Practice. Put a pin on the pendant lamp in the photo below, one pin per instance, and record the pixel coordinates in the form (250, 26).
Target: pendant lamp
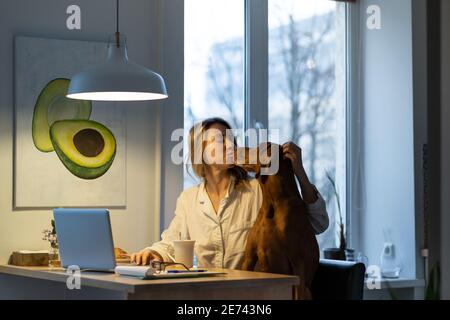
(117, 79)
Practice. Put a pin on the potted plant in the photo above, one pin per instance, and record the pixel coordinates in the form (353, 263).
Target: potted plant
(341, 253)
(51, 237)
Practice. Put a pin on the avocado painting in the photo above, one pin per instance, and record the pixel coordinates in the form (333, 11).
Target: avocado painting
(68, 153)
(52, 105)
(86, 148)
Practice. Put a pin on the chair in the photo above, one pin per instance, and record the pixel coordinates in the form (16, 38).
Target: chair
(338, 280)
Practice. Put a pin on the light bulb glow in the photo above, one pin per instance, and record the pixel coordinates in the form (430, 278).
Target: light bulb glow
(117, 96)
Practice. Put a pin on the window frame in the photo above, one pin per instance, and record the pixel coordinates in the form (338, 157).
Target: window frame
(256, 53)
(353, 131)
(256, 91)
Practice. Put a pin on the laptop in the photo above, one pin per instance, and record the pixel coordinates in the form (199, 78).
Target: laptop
(85, 239)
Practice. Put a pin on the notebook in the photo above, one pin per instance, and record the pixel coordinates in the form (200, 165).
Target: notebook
(147, 273)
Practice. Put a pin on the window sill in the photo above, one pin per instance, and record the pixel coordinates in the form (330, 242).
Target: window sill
(398, 283)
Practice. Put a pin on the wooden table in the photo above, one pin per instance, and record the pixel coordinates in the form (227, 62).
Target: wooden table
(50, 283)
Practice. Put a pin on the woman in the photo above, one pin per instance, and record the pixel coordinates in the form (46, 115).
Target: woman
(219, 212)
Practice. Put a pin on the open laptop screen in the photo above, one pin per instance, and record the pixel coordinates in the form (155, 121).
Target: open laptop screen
(85, 238)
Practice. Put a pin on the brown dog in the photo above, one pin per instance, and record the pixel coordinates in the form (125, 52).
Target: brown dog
(282, 239)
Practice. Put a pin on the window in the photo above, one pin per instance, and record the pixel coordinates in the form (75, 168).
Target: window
(305, 73)
(307, 92)
(214, 64)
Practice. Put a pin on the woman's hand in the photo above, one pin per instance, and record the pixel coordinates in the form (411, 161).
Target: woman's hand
(144, 257)
(294, 153)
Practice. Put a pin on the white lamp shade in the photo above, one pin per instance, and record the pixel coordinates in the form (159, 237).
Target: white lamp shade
(117, 79)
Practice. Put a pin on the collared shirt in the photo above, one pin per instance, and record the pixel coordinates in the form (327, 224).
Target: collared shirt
(220, 237)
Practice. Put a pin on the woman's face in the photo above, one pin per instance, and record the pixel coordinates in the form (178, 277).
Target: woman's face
(218, 148)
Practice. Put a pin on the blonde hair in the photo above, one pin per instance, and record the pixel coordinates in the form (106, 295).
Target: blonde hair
(196, 148)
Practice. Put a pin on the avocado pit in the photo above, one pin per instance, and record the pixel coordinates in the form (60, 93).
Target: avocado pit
(89, 142)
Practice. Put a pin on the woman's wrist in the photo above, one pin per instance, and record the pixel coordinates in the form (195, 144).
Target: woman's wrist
(309, 192)
(301, 174)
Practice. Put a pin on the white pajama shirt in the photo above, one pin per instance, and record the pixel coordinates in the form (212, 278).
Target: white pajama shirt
(220, 237)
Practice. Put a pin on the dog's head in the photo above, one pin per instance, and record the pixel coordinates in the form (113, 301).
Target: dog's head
(265, 161)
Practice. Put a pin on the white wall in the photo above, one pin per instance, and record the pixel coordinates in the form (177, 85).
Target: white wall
(171, 23)
(388, 134)
(137, 225)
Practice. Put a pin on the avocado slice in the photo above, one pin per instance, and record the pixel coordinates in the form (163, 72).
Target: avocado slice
(52, 105)
(86, 148)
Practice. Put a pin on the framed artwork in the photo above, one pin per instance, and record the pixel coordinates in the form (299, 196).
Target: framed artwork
(68, 153)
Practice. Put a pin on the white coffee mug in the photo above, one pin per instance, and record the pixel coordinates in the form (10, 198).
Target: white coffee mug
(184, 252)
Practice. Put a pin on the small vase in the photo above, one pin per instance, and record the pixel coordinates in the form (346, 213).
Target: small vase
(350, 254)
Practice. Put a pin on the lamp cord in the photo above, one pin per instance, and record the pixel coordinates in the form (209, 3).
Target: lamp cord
(117, 15)
(117, 25)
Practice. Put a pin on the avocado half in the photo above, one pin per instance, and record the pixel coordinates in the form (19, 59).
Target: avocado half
(52, 105)
(86, 148)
